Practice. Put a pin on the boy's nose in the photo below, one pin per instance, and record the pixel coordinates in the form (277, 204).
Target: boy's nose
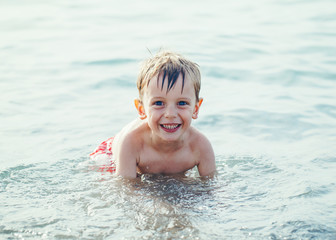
(170, 111)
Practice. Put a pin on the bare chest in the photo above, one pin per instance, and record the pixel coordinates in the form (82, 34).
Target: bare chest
(152, 161)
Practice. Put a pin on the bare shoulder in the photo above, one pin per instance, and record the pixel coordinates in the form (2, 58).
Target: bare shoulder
(128, 142)
(200, 141)
(129, 138)
(127, 148)
(205, 155)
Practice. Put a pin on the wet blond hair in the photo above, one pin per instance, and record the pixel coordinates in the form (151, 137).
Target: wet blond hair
(169, 65)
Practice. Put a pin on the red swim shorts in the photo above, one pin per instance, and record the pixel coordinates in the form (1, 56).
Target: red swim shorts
(104, 150)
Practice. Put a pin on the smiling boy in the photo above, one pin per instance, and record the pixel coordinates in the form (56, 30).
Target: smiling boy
(163, 141)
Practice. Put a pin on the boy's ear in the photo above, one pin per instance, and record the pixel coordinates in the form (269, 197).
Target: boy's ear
(140, 108)
(197, 107)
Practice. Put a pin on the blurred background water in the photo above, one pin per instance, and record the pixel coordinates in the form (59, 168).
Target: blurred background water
(67, 82)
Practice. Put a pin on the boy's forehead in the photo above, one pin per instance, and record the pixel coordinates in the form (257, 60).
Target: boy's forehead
(159, 82)
(183, 86)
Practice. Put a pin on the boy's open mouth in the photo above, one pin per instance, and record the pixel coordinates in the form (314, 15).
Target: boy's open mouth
(170, 127)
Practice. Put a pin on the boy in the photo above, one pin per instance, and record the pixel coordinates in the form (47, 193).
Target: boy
(163, 140)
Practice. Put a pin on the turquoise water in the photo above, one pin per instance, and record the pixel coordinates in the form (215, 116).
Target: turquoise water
(67, 80)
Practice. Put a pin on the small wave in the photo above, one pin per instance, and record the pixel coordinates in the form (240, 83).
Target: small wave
(329, 110)
(114, 61)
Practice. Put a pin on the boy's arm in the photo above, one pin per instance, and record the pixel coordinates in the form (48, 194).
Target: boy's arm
(207, 163)
(126, 159)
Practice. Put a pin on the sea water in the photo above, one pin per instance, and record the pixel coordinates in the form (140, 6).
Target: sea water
(67, 81)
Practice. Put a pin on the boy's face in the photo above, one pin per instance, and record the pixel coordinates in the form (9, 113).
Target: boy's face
(170, 113)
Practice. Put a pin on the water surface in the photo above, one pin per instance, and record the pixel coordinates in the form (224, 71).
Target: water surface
(67, 80)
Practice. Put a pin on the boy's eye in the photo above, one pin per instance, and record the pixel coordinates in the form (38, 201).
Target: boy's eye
(158, 103)
(182, 103)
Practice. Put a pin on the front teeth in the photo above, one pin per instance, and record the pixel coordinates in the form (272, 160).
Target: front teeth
(170, 126)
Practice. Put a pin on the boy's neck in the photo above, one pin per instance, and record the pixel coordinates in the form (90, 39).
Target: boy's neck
(166, 146)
